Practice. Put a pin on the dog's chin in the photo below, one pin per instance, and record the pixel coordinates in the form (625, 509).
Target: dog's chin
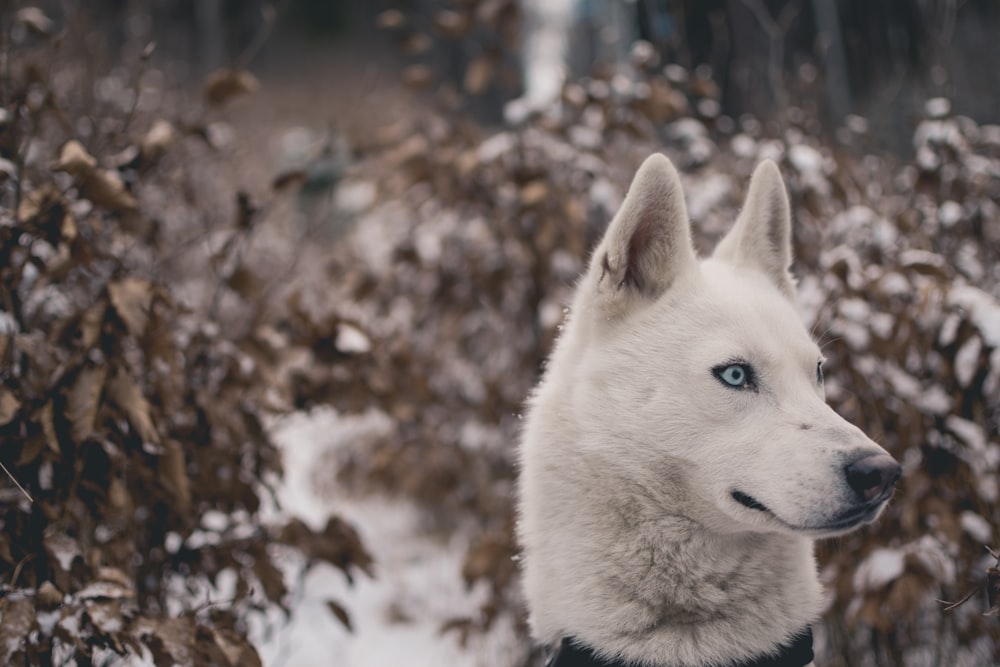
(844, 522)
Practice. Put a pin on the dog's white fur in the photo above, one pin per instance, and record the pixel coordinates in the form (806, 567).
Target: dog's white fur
(632, 541)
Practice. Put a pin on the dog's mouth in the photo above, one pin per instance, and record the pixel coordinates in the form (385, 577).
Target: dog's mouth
(847, 520)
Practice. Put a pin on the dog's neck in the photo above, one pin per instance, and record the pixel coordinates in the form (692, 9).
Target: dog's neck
(621, 573)
(797, 653)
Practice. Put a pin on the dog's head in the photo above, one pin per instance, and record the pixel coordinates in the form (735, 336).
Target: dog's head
(701, 371)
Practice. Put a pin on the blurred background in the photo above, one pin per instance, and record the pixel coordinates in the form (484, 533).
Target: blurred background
(278, 276)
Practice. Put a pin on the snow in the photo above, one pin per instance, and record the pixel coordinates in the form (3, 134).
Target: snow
(967, 360)
(976, 526)
(805, 159)
(983, 309)
(878, 569)
(937, 107)
(707, 194)
(396, 616)
(351, 340)
(950, 213)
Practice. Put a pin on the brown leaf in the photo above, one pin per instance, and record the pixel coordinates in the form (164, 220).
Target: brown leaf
(174, 637)
(479, 74)
(106, 189)
(83, 400)
(90, 324)
(390, 19)
(244, 282)
(48, 596)
(31, 449)
(125, 393)
(18, 617)
(9, 405)
(45, 209)
(418, 77)
(237, 649)
(157, 140)
(173, 472)
(46, 416)
(224, 85)
(62, 550)
(416, 43)
(452, 24)
(132, 299)
(534, 193)
(75, 160)
(340, 613)
(288, 179)
(35, 20)
(270, 577)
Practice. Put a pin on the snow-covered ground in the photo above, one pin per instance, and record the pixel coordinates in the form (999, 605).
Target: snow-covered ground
(396, 616)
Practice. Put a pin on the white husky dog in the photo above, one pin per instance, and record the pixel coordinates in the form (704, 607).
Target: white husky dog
(678, 458)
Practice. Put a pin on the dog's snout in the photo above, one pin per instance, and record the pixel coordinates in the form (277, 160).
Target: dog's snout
(872, 476)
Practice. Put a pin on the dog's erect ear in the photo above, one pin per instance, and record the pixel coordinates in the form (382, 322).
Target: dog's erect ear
(648, 244)
(761, 238)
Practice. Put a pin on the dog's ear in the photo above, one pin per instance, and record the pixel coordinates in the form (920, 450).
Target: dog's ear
(648, 244)
(761, 237)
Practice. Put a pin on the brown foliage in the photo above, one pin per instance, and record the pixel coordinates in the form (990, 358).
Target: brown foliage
(125, 417)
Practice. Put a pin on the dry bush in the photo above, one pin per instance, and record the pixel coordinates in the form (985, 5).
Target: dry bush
(136, 458)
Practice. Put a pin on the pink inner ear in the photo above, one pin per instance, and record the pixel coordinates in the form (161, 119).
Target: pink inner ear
(642, 237)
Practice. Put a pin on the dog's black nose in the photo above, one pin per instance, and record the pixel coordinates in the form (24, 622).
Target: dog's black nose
(872, 476)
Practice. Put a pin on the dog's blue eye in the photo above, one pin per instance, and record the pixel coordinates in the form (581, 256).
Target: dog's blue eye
(819, 372)
(737, 376)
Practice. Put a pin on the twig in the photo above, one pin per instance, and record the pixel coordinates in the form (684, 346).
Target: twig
(269, 16)
(17, 484)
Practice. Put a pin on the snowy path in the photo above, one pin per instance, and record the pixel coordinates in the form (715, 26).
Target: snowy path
(396, 616)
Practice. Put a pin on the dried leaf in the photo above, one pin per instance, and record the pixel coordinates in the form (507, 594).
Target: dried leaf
(107, 590)
(418, 77)
(288, 179)
(35, 20)
(83, 400)
(390, 19)
(106, 189)
(49, 596)
(18, 621)
(452, 24)
(9, 405)
(91, 323)
(244, 282)
(534, 193)
(132, 299)
(75, 160)
(340, 613)
(46, 416)
(236, 648)
(173, 472)
(157, 140)
(174, 638)
(62, 550)
(416, 43)
(270, 577)
(479, 74)
(40, 205)
(125, 393)
(224, 85)
(31, 449)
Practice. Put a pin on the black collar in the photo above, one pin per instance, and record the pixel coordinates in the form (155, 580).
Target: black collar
(798, 653)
